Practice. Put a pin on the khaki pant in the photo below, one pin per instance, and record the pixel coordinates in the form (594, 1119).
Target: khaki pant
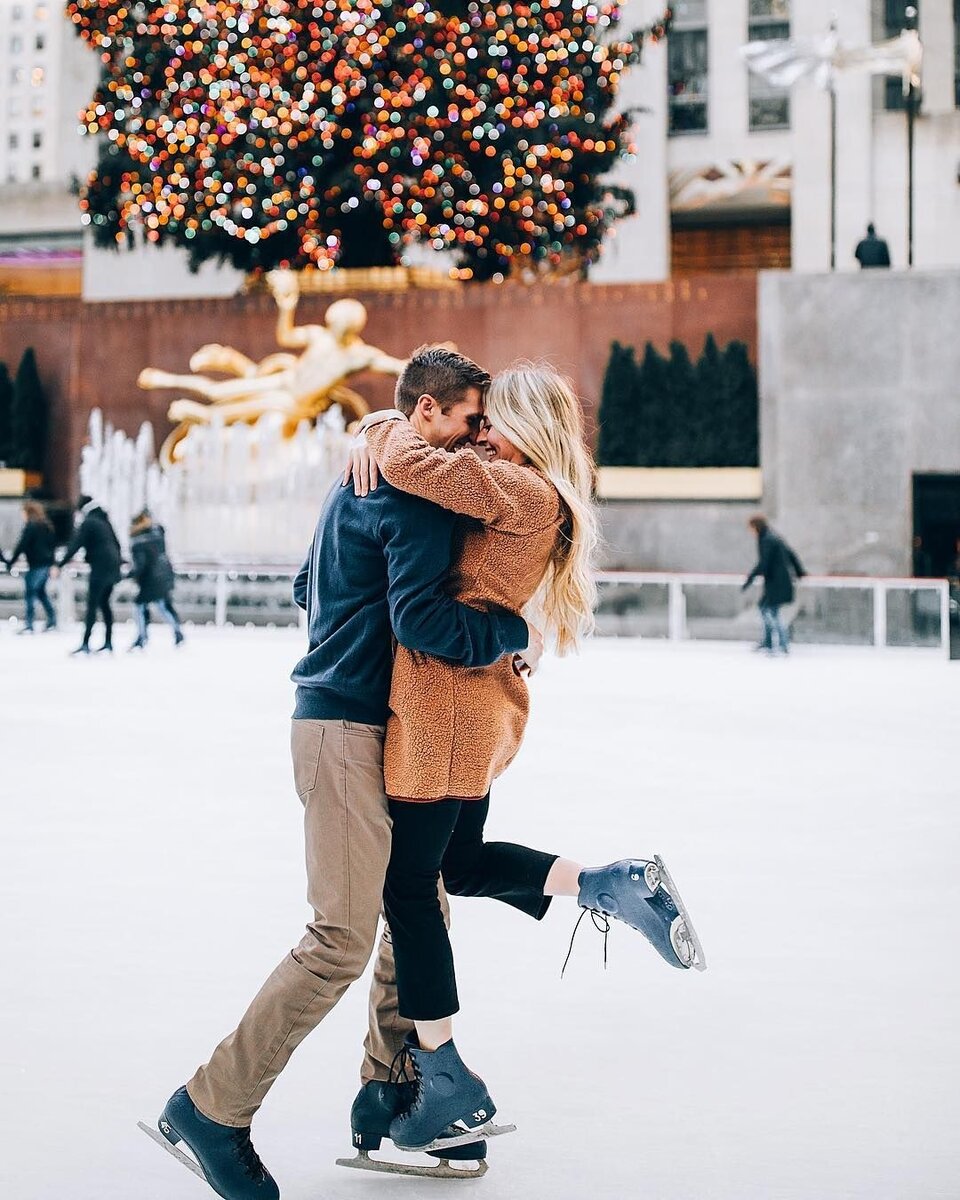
(338, 769)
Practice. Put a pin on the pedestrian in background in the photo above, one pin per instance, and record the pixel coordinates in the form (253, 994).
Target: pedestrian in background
(154, 577)
(37, 544)
(776, 565)
(96, 538)
(872, 251)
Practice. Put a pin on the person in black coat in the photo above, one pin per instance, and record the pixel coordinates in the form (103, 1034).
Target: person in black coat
(37, 544)
(872, 251)
(777, 565)
(96, 538)
(154, 577)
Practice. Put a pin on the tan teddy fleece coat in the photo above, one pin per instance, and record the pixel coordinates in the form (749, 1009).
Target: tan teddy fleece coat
(453, 729)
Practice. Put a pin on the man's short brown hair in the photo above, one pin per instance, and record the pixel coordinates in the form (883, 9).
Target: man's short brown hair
(441, 373)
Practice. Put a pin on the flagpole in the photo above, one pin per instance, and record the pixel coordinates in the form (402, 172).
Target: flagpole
(833, 156)
(833, 177)
(911, 18)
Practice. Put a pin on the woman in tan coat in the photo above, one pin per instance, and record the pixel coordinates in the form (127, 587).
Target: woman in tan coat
(526, 540)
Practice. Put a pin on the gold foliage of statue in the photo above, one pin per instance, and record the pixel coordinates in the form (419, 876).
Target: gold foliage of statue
(297, 386)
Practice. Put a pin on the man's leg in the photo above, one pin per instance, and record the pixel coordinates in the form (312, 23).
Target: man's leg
(338, 766)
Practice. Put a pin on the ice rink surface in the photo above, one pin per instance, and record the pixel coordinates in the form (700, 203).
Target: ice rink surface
(151, 876)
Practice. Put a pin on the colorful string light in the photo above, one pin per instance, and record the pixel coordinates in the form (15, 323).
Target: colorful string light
(340, 131)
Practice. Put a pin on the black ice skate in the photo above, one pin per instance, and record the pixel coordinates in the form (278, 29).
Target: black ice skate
(445, 1094)
(374, 1108)
(224, 1156)
(643, 895)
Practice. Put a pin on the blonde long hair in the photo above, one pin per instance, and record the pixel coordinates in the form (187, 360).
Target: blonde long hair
(537, 409)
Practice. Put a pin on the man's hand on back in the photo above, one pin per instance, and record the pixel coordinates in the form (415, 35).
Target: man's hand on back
(527, 661)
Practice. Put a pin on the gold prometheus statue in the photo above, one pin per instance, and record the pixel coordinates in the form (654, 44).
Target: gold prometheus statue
(297, 386)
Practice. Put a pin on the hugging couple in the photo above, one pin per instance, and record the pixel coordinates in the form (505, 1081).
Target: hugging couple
(470, 505)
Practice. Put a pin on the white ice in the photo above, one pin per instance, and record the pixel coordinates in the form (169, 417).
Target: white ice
(151, 876)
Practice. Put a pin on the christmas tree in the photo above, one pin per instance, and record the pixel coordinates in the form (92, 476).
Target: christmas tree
(295, 133)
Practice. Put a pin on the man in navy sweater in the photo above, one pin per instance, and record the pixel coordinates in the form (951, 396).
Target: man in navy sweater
(377, 570)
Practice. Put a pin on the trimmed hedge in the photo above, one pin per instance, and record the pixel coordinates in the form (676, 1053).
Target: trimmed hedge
(667, 411)
(23, 416)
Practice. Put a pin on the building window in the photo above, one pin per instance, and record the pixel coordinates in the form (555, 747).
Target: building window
(40, 42)
(16, 76)
(35, 171)
(16, 44)
(687, 68)
(769, 21)
(17, 12)
(13, 141)
(895, 19)
(40, 12)
(37, 139)
(37, 76)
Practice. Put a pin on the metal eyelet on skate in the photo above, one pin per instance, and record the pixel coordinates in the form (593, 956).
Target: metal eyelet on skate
(651, 876)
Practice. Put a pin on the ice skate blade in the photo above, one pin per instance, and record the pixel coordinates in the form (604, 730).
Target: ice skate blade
(442, 1170)
(666, 881)
(480, 1133)
(182, 1158)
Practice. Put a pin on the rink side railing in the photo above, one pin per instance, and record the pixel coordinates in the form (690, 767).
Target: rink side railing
(831, 609)
(844, 609)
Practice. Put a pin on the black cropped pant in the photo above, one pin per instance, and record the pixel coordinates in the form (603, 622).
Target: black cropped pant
(446, 837)
(99, 589)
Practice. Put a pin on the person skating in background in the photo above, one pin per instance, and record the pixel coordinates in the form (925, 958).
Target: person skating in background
(153, 575)
(37, 544)
(776, 565)
(96, 538)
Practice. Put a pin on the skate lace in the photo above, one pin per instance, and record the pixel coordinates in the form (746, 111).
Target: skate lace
(249, 1158)
(403, 1063)
(601, 923)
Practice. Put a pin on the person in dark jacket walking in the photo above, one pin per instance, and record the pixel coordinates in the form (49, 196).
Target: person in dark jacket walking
(96, 538)
(154, 577)
(777, 565)
(37, 544)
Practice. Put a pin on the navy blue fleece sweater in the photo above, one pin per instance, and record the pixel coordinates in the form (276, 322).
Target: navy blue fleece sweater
(377, 569)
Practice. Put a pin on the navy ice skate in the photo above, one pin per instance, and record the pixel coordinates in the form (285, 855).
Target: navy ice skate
(225, 1157)
(445, 1093)
(376, 1105)
(643, 895)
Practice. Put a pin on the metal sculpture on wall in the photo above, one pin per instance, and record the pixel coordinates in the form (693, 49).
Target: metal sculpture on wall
(296, 387)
